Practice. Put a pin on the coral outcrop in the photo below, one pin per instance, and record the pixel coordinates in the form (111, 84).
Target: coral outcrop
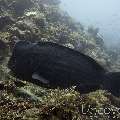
(43, 20)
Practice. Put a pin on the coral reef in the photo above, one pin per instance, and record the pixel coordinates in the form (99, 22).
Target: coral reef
(43, 20)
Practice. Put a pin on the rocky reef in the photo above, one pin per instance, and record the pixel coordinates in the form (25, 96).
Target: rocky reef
(43, 20)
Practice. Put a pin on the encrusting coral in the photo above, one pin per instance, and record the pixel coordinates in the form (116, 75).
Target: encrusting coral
(43, 20)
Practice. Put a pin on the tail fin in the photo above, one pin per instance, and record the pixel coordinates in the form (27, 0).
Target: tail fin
(112, 83)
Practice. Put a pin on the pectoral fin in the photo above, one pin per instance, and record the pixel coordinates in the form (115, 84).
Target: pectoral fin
(38, 77)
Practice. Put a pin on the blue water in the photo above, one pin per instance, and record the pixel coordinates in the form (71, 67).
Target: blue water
(104, 14)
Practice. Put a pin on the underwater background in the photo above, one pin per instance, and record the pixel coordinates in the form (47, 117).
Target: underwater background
(102, 14)
(45, 20)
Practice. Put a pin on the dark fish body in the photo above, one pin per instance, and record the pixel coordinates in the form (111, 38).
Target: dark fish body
(56, 66)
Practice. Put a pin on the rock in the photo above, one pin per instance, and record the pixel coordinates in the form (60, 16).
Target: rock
(5, 20)
(19, 6)
(3, 50)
